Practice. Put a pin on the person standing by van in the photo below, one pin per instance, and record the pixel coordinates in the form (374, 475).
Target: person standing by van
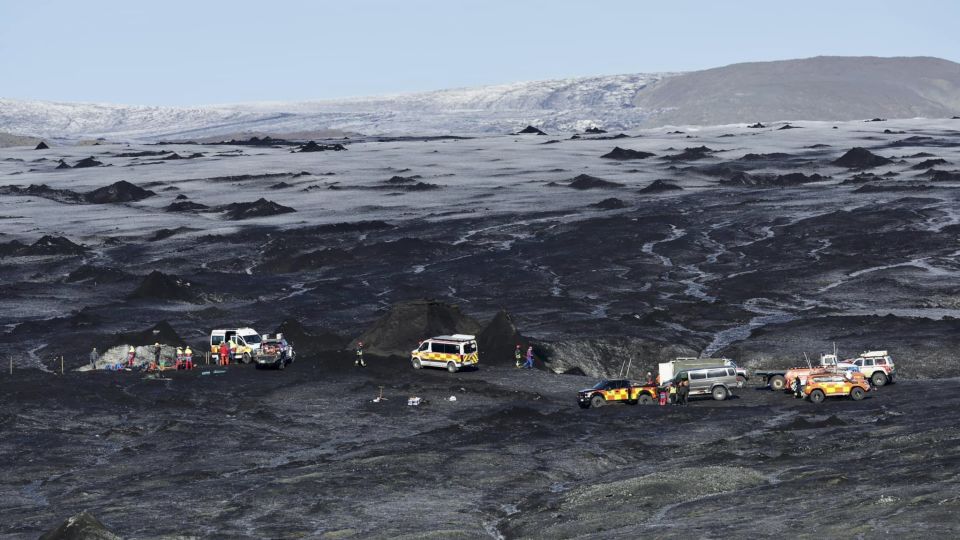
(188, 358)
(224, 353)
(359, 360)
(518, 356)
(683, 391)
(131, 356)
(529, 363)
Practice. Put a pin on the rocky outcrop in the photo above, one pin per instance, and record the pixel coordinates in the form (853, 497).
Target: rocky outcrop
(860, 158)
(400, 330)
(160, 286)
(607, 356)
(82, 526)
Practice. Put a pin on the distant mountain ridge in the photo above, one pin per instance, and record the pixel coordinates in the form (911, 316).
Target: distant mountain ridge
(821, 88)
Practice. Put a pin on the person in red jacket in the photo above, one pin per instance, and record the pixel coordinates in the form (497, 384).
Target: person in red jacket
(224, 354)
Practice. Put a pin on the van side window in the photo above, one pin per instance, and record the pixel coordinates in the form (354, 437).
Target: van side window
(216, 340)
(698, 375)
(715, 373)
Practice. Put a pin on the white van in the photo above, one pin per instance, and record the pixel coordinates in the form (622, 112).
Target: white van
(244, 343)
(451, 352)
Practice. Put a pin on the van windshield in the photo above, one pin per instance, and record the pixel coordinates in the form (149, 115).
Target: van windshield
(251, 339)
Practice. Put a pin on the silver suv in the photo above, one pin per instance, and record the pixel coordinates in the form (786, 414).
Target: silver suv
(718, 381)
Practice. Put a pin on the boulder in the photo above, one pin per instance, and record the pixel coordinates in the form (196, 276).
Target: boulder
(87, 162)
(611, 203)
(314, 147)
(406, 324)
(42, 146)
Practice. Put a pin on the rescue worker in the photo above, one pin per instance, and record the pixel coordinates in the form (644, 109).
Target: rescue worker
(188, 358)
(797, 388)
(662, 394)
(179, 361)
(673, 393)
(131, 357)
(358, 361)
(529, 363)
(224, 354)
(94, 356)
(649, 379)
(518, 356)
(234, 347)
(157, 349)
(683, 391)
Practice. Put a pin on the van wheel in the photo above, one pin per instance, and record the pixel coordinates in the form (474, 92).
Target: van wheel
(451, 367)
(719, 393)
(879, 378)
(645, 399)
(416, 363)
(597, 401)
(777, 382)
(817, 396)
(245, 358)
(856, 394)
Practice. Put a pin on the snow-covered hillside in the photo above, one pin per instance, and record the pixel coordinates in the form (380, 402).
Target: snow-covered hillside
(562, 105)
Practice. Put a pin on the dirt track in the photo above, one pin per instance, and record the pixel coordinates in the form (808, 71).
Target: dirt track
(305, 452)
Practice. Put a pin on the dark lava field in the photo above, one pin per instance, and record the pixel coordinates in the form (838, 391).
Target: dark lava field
(755, 243)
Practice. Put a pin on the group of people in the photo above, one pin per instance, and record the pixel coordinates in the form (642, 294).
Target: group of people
(519, 358)
(183, 360)
(676, 394)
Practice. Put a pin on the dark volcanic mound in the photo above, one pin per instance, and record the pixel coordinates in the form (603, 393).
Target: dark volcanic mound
(118, 192)
(860, 158)
(259, 208)
(530, 130)
(942, 176)
(788, 126)
(498, 340)
(163, 234)
(160, 286)
(314, 147)
(82, 526)
(309, 343)
(400, 180)
(766, 157)
(185, 206)
(612, 203)
(660, 186)
(96, 275)
(625, 154)
(406, 324)
(874, 188)
(585, 181)
(87, 162)
(52, 245)
(929, 164)
(63, 165)
(42, 146)
(690, 154)
(758, 125)
(281, 185)
(595, 130)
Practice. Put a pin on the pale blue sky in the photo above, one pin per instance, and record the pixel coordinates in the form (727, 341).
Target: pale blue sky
(201, 52)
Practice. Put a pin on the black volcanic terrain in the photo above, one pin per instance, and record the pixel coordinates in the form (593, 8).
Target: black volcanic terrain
(755, 244)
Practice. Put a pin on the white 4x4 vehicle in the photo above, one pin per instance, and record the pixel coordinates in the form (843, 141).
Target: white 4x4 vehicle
(877, 366)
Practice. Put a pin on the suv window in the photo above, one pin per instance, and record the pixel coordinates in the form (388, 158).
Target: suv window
(715, 373)
(868, 362)
(731, 372)
(858, 362)
(698, 374)
(881, 361)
